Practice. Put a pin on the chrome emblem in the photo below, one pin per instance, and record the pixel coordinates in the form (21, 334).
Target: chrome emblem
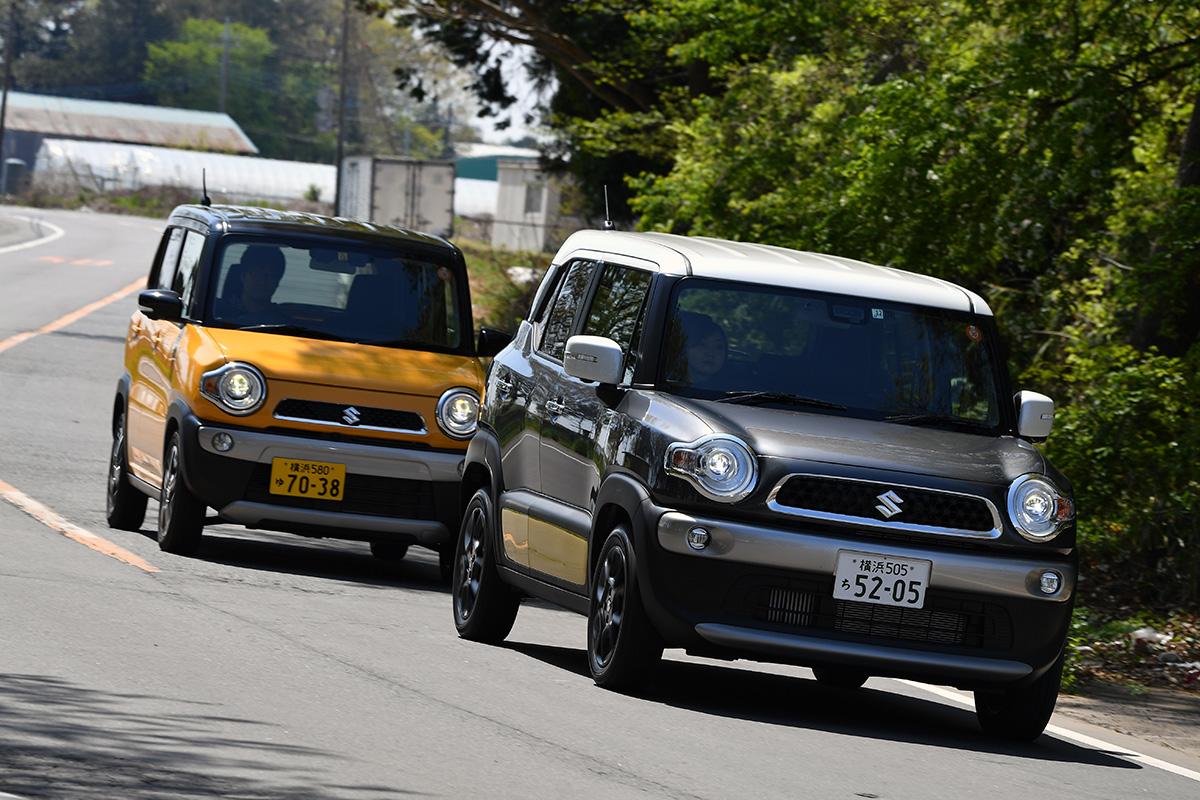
(351, 416)
(890, 503)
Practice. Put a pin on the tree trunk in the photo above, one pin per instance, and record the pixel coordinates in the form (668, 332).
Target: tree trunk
(1189, 159)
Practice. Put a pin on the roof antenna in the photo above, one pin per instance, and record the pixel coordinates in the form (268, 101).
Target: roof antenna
(608, 223)
(205, 200)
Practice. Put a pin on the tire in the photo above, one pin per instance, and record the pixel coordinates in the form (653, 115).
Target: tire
(1020, 714)
(485, 608)
(125, 506)
(841, 677)
(180, 513)
(389, 551)
(622, 646)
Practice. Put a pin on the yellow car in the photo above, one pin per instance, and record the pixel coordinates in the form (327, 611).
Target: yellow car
(298, 373)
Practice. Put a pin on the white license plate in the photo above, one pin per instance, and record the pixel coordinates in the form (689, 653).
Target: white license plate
(885, 580)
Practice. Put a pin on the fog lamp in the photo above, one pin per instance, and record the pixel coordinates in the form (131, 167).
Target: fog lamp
(222, 441)
(698, 538)
(1050, 582)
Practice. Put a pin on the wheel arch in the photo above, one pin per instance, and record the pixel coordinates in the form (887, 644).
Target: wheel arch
(618, 501)
(120, 401)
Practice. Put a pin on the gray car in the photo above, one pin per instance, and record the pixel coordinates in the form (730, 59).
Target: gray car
(753, 452)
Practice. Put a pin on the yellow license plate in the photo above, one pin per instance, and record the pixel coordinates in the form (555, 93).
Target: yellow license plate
(315, 479)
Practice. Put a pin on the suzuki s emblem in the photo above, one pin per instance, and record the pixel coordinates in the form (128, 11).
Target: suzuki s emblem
(889, 504)
(351, 416)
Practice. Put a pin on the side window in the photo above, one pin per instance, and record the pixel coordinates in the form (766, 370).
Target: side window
(562, 313)
(166, 269)
(184, 282)
(617, 309)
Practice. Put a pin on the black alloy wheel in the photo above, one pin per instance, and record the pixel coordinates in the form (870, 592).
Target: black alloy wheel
(1020, 714)
(841, 677)
(125, 506)
(180, 513)
(623, 647)
(485, 608)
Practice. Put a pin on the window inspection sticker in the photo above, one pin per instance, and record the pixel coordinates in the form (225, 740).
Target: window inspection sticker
(876, 313)
(974, 334)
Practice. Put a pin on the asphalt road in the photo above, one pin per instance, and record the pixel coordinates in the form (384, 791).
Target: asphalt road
(279, 667)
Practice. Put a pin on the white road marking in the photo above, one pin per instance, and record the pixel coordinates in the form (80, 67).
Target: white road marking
(55, 233)
(1064, 733)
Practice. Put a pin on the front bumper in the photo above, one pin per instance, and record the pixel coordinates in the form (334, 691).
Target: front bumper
(392, 493)
(767, 593)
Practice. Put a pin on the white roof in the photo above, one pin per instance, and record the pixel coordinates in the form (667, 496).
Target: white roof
(774, 266)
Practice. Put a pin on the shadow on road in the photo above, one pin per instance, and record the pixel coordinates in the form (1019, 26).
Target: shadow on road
(728, 691)
(59, 739)
(317, 558)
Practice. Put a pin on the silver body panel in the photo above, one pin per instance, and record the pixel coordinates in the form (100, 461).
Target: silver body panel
(361, 459)
(983, 573)
(243, 512)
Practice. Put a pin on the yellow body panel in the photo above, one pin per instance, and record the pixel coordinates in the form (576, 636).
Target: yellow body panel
(166, 361)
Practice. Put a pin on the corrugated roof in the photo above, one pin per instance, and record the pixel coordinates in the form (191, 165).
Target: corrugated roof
(71, 118)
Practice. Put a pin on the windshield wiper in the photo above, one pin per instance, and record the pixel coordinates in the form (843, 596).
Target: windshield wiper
(758, 398)
(936, 419)
(288, 329)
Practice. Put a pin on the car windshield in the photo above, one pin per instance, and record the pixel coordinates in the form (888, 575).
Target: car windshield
(762, 345)
(342, 291)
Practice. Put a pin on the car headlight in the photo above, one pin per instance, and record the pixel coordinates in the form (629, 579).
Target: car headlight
(236, 388)
(458, 413)
(1037, 509)
(720, 467)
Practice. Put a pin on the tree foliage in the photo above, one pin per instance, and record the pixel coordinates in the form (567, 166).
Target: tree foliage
(1046, 154)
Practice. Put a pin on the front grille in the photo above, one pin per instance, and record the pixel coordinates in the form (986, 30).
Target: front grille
(350, 416)
(364, 494)
(858, 499)
(944, 620)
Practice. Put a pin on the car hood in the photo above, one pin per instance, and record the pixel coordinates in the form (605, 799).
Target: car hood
(356, 366)
(824, 438)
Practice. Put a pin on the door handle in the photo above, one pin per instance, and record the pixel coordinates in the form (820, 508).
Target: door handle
(555, 407)
(504, 386)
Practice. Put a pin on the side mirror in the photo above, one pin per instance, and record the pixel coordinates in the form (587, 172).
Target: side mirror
(491, 342)
(1035, 415)
(593, 358)
(161, 304)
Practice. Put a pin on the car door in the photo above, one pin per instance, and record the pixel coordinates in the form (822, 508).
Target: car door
(571, 472)
(147, 402)
(524, 515)
(164, 336)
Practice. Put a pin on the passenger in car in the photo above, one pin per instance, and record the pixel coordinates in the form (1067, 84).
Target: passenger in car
(704, 349)
(250, 285)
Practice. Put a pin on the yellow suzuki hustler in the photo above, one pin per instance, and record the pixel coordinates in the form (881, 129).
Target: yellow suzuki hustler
(298, 373)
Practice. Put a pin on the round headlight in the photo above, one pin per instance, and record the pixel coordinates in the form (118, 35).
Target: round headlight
(1037, 509)
(237, 388)
(720, 467)
(458, 413)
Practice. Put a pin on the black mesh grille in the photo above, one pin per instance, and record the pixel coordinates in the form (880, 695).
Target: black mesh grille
(944, 620)
(859, 499)
(364, 494)
(336, 413)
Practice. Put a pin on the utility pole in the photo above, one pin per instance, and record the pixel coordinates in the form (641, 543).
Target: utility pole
(8, 57)
(341, 128)
(226, 40)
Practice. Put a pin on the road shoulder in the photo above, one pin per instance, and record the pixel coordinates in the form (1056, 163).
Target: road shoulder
(1170, 719)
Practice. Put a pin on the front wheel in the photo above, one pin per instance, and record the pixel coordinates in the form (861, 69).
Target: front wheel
(623, 647)
(1020, 714)
(485, 608)
(180, 513)
(125, 506)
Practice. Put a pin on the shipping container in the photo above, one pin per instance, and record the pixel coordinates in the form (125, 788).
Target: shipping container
(407, 192)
